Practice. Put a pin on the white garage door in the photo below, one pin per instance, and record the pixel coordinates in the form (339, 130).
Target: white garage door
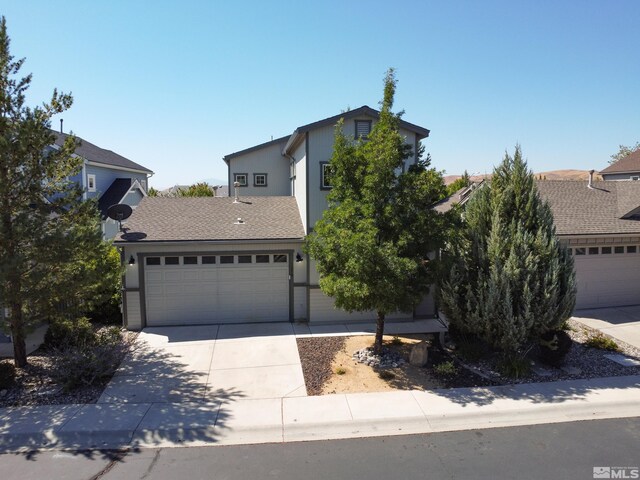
(608, 276)
(204, 289)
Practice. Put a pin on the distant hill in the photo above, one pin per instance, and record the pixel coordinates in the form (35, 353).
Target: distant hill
(550, 175)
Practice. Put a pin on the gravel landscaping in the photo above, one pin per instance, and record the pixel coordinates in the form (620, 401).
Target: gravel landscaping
(35, 384)
(583, 362)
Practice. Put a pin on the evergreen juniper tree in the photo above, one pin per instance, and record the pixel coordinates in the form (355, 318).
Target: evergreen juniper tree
(511, 280)
(372, 242)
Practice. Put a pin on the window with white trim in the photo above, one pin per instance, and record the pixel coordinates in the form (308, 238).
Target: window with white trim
(91, 182)
(241, 178)
(259, 179)
(143, 184)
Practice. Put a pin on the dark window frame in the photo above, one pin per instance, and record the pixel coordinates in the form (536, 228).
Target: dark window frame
(223, 259)
(280, 258)
(246, 179)
(606, 250)
(260, 258)
(618, 249)
(148, 261)
(632, 249)
(189, 260)
(255, 176)
(206, 260)
(323, 186)
(243, 259)
(355, 126)
(580, 251)
(594, 251)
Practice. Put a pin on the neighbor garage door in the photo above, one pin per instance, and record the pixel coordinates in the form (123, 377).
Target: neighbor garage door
(202, 289)
(608, 276)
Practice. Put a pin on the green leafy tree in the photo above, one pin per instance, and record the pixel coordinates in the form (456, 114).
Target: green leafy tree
(201, 189)
(462, 182)
(510, 280)
(623, 152)
(49, 238)
(152, 192)
(372, 243)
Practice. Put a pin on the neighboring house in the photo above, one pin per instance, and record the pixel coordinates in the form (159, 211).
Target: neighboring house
(109, 177)
(627, 168)
(601, 226)
(215, 260)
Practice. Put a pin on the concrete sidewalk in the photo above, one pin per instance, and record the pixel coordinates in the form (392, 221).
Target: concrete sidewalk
(227, 421)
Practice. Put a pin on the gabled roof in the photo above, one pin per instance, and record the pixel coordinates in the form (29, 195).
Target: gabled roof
(282, 140)
(362, 111)
(114, 194)
(628, 164)
(192, 219)
(580, 210)
(93, 153)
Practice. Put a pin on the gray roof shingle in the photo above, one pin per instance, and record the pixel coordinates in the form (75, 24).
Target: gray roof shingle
(628, 164)
(579, 210)
(93, 153)
(185, 219)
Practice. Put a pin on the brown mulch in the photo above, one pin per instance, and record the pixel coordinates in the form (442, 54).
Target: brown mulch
(316, 355)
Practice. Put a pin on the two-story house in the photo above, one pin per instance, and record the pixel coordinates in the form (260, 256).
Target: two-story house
(109, 177)
(218, 260)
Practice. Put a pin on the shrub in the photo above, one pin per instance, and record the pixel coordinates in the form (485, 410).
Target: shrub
(471, 348)
(554, 347)
(445, 369)
(78, 366)
(7, 375)
(396, 341)
(70, 333)
(341, 371)
(386, 375)
(602, 342)
(514, 367)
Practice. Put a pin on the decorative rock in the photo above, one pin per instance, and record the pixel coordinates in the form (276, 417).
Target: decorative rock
(419, 354)
(541, 371)
(388, 359)
(623, 360)
(3, 392)
(571, 370)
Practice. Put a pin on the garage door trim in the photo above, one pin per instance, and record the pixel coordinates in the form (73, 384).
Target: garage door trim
(141, 260)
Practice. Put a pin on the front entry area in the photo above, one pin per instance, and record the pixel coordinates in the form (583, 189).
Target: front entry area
(217, 288)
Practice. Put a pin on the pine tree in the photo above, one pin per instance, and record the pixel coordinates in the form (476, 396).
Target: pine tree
(511, 280)
(50, 240)
(372, 242)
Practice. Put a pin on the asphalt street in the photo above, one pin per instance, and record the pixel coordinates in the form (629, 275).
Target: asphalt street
(555, 451)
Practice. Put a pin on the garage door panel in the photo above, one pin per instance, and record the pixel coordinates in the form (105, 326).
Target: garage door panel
(607, 280)
(214, 293)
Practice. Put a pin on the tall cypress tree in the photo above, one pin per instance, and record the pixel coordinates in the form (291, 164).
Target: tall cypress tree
(372, 242)
(50, 240)
(510, 280)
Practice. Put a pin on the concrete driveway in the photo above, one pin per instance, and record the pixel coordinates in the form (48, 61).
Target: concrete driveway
(208, 364)
(621, 323)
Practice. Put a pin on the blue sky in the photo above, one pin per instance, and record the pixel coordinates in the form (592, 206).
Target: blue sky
(177, 85)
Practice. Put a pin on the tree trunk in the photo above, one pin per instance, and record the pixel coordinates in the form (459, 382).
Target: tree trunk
(18, 336)
(377, 345)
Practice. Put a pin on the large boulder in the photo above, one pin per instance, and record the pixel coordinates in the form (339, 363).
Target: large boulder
(419, 354)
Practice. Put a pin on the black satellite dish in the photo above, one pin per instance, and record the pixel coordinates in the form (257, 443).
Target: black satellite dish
(119, 212)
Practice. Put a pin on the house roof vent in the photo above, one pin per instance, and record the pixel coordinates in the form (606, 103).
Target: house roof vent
(239, 221)
(590, 184)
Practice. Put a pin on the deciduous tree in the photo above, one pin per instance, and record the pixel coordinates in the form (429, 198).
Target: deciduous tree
(372, 243)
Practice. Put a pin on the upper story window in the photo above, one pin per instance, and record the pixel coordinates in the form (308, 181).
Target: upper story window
(241, 178)
(325, 176)
(259, 179)
(363, 129)
(91, 182)
(143, 184)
